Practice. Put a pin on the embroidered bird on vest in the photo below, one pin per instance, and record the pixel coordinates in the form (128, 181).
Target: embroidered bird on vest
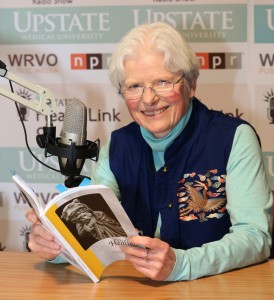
(199, 203)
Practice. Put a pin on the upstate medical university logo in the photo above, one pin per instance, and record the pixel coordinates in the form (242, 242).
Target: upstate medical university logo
(94, 23)
(54, 25)
(214, 60)
(199, 23)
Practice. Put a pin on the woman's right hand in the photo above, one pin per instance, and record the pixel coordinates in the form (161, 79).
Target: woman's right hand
(41, 242)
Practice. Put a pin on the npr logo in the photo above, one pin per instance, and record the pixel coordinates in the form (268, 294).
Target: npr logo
(98, 61)
(89, 61)
(220, 60)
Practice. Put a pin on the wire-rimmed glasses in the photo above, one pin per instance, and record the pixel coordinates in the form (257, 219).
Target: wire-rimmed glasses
(159, 87)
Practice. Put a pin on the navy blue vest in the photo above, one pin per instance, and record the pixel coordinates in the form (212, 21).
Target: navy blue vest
(189, 190)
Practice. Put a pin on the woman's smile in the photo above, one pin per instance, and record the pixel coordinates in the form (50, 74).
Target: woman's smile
(154, 112)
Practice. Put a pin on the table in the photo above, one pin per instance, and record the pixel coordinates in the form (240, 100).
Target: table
(25, 276)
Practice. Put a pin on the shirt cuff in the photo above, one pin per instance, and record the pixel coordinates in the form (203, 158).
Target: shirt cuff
(57, 260)
(177, 272)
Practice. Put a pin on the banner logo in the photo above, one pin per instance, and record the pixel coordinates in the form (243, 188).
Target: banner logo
(24, 111)
(220, 60)
(32, 60)
(45, 198)
(102, 24)
(90, 61)
(33, 63)
(200, 23)
(267, 60)
(264, 24)
(267, 63)
(215, 60)
(269, 98)
(25, 232)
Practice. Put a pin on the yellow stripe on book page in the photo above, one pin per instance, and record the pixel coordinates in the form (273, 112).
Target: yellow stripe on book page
(90, 259)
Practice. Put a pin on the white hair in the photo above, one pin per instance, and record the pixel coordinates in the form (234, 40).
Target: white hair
(162, 39)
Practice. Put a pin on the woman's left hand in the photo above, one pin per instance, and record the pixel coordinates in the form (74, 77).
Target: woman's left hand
(156, 260)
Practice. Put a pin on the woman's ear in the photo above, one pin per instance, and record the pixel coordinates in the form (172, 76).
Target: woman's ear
(192, 88)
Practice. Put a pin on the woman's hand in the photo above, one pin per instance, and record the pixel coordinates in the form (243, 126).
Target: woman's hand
(41, 242)
(156, 260)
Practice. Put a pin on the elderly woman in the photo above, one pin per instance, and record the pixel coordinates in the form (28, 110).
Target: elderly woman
(191, 179)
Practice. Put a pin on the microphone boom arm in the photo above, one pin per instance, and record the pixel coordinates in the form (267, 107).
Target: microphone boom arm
(47, 103)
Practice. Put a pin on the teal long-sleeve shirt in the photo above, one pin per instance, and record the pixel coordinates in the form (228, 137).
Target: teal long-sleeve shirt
(249, 203)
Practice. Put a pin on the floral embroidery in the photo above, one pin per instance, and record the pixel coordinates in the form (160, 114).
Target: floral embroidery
(202, 196)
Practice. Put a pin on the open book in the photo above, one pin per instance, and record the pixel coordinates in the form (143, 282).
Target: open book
(88, 221)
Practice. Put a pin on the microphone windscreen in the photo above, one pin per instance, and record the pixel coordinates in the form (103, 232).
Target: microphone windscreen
(75, 123)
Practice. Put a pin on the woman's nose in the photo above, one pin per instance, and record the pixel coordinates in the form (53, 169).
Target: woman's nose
(149, 96)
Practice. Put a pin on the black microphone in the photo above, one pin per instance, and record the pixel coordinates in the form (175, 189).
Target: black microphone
(72, 148)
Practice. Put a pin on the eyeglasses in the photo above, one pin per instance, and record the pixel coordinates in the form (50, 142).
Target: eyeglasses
(160, 87)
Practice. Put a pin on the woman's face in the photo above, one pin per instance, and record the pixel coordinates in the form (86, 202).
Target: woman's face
(158, 114)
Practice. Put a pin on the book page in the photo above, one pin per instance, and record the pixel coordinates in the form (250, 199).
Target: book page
(93, 224)
(30, 196)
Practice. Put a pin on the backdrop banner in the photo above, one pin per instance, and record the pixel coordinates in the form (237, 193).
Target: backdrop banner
(65, 46)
